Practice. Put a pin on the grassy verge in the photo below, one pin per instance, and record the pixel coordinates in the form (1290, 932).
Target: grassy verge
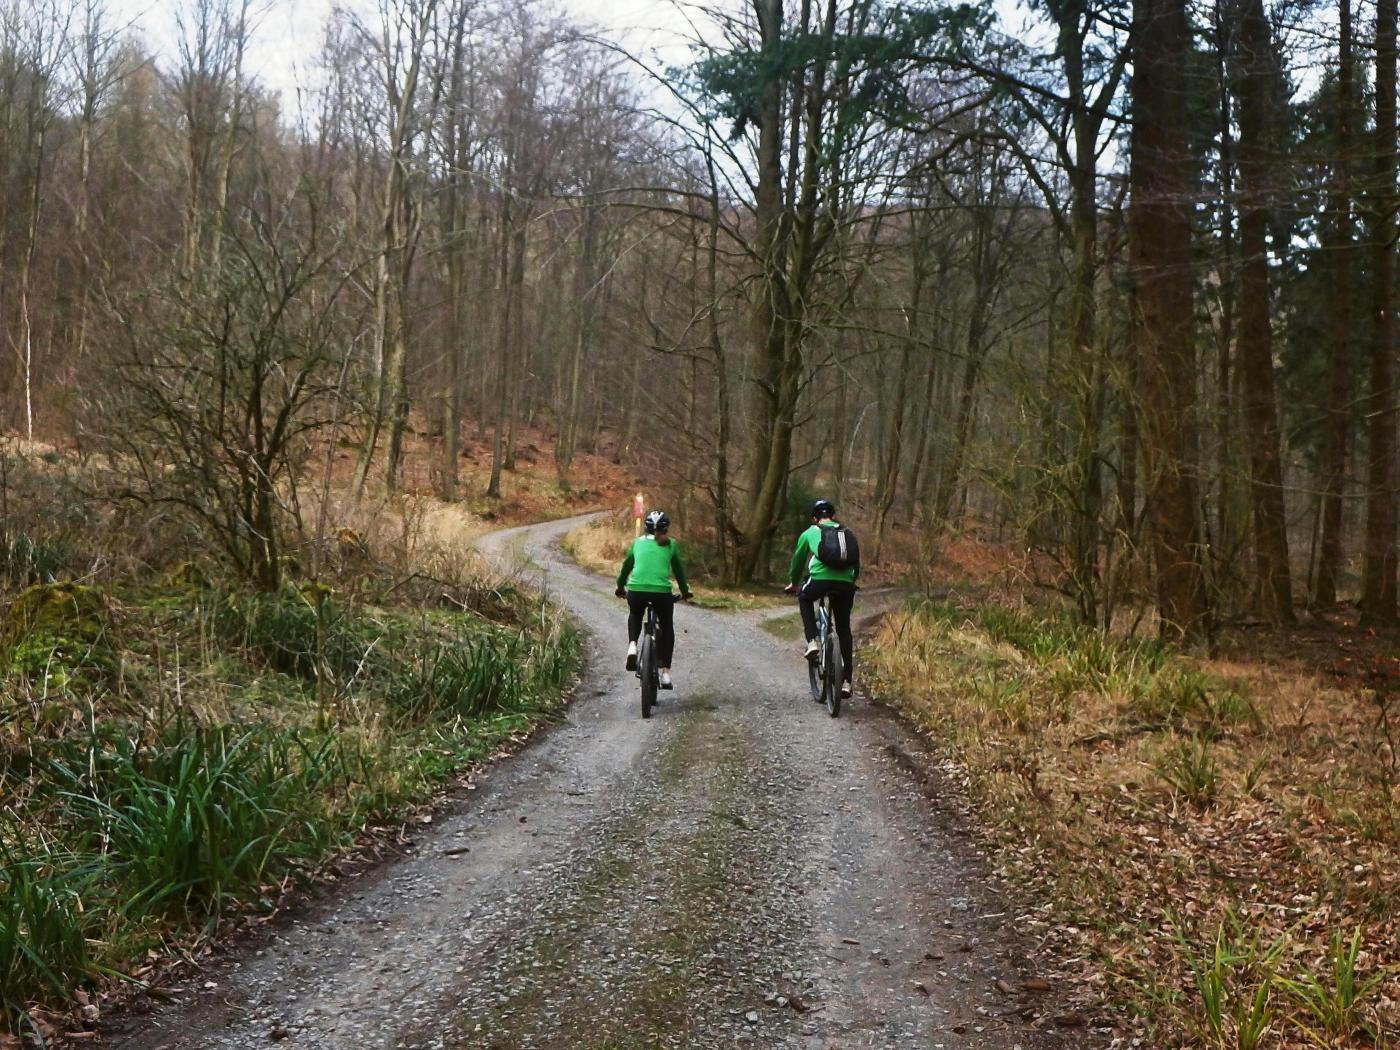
(178, 753)
(221, 748)
(1221, 837)
(600, 546)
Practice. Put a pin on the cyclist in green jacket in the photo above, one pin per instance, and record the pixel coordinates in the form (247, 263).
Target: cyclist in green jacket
(645, 580)
(823, 581)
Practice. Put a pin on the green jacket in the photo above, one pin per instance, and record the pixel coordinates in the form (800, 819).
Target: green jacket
(648, 566)
(805, 562)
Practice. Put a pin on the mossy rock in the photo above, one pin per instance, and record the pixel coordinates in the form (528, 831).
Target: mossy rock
(58, 633)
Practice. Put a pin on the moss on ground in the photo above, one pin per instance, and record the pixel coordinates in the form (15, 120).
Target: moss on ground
(57, 637)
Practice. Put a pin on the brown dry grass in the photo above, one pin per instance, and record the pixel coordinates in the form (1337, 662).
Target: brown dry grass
(1068, 755)
(599, 546)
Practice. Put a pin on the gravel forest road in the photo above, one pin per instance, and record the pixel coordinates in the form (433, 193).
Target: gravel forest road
(741, 870)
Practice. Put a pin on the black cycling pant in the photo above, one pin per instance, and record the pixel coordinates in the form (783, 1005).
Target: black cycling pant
(637, 602)
(843, 598)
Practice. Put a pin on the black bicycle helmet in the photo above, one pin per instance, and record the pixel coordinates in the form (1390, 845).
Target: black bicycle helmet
(823, 508)
(657, 521)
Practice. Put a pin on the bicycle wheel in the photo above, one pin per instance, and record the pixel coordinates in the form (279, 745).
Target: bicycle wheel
(832, 675)
(646, 669)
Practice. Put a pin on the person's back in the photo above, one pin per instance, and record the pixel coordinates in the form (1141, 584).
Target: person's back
(645, 580)
(834, 580)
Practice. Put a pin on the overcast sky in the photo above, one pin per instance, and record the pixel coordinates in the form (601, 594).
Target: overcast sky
(288, 37)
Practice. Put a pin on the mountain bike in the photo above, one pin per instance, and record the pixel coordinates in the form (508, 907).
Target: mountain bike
(647, 669)
(825, 672)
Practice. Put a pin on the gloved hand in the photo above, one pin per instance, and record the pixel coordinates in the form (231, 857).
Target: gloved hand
(790, 589)
(621, 592)
(686, 596)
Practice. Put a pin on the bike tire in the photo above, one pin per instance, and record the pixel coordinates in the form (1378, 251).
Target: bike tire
(832, 676)
(814, 666)
(646, 665)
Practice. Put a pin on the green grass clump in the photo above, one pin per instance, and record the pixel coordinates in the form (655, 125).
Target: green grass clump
(1190, 768)
(1332, 1004)
(256, 735)
(1235, 984)
(44, 930)
(192, 819)
(474, 674)
(26, 559)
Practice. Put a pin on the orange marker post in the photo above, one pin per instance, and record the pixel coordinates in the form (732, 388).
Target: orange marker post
(639, 511)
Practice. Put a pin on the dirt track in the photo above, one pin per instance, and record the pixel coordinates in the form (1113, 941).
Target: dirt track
(741, 870)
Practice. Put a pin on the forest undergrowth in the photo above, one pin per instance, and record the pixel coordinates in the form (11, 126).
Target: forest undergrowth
(180, 754)
(1215, 840)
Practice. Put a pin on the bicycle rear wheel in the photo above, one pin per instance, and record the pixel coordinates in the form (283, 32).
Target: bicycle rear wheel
(646, 668)
(832, 675)
(814, 666)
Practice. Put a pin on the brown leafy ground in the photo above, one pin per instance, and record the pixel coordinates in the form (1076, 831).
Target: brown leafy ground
(1144, 804)
(530, 493)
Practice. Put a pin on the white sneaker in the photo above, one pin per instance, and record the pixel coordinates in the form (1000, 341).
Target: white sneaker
(845, 690)
(812, 650)
(631, 656)
(665, 679)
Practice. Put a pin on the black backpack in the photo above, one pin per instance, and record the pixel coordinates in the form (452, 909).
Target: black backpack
(838, 549)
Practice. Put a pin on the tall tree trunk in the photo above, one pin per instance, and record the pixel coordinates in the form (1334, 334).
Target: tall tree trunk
(1160, 234)
(455, 154)
(888, 481)
(585, 277)
(501, 394)
(385, 269)
(769, 307)
(1273, 582)
(1085, 483)
(1225, 540)
(1378, 587)
(950, 477)
(515, 365)
(1340, 247)
(724, 512)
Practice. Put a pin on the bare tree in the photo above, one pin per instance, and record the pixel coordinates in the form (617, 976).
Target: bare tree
(223, 381)
(398, 45)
